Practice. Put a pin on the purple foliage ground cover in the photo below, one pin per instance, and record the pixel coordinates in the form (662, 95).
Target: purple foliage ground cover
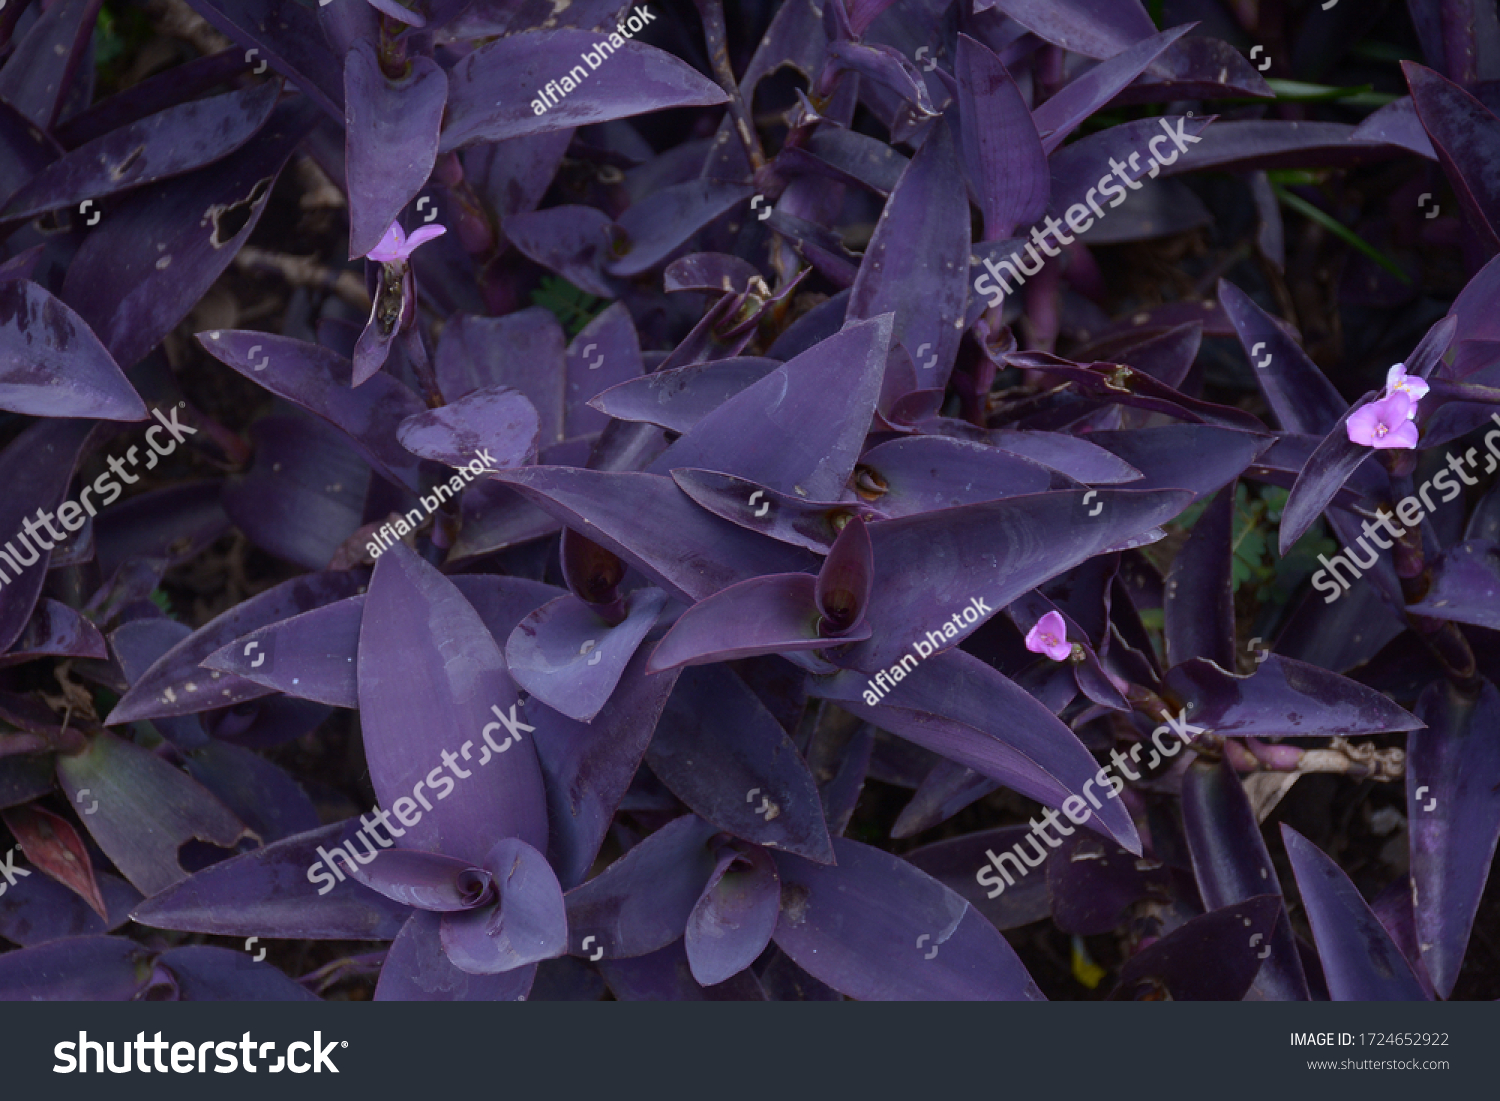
(933, 499)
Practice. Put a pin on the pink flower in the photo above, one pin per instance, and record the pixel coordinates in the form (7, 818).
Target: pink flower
(1397, 380)
(397, 246)
(1384, 423)
(1050, 637)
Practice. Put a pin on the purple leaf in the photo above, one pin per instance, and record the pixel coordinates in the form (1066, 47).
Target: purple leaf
(392, 139)
(205, 973)
(778, 433)
(144, 810)
(35, 470)
(786, 518)
(916, 264)
(492, 92)
(680, 397)
(1082, 26)
(417, 970)
(52, 365)
(1213, 957)
(168, 143)
(316, 379)
(925, 566)
(1463, 131)
(606, 351)
(497, 424)
(656, 226)
(176, 685)
(1087, 93)
(432, 684)
(96, 969)
(877, 929)
(953, 862)
(1360, 961)
(643, 900)
(309, 656)
(924, 473)
(765, 615)
(1232, 864)
(523, 350)
(722, 753)
(270, 892)
(1465, 586)
(1330, 465)
(732, 922)
(1199, 607)
(37, 76)
(571, 658)
(56, 629)
(1282, 698)
(292, 43)
(1003, 155)
(1453, 809)
(649, 522)
(141, 271)
(527, 924)
(951, 708)
(304, 496)
(588, 766)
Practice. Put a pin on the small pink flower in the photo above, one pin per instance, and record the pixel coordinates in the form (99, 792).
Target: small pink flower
(1050, 637)
(1384, 423)
(1396, 379)
(397, 246)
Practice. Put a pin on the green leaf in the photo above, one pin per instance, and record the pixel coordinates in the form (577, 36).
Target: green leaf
(573, 308)
(1339, 230)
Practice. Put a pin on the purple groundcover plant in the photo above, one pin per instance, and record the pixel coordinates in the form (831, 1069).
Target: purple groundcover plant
(507, 500)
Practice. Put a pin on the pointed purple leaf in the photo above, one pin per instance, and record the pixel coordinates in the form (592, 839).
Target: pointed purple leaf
(417, 970)
(392, 139)
(1003, 154)
(432, 684)
(317, 379)
(877, 929)
(649, 522)
(1453, 808)
(916, 265)
(778, 433)
(643, 900)
(722, 753)
(52, 365)
(1360, 961)
(1282, 698)
(1462, 130)
(144, 810)
(952, 708)
(491, 91)
(1232, 864)
(177, 685)
(168, 143)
